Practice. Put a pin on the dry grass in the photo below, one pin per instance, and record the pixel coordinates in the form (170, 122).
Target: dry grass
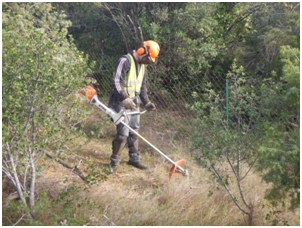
(132, 197)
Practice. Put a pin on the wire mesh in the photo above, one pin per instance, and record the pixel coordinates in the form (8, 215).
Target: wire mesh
(168, 88)
(172, 90)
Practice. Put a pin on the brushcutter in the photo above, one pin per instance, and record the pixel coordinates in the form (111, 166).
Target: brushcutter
(118, 118)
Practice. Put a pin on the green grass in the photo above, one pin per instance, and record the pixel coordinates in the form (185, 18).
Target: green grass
(65, 210)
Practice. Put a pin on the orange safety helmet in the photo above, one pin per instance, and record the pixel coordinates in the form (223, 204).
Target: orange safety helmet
(151, 48)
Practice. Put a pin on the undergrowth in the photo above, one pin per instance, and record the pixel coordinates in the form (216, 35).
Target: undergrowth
(63, 210)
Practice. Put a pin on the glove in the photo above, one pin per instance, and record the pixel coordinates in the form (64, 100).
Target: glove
(150, 106)
(128, 103)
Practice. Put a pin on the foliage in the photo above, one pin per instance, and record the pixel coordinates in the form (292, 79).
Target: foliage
(290, 58)
(62, 211)
(90, 28)
(279, 151)
(263, 38)
(188, 43)
(41, 68)
(254, 32)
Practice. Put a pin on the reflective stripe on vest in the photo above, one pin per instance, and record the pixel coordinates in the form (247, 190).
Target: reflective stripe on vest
(133, 82)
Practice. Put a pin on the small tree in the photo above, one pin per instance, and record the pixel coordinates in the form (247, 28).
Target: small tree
(41, 67)
(228, 149)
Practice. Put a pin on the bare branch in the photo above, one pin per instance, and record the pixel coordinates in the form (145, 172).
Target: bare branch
(118, 25)
(25, 178)
(141, 34)
(134, 27)
(250, 168)
(241, 195)
(19, 220)
(228, 190)
(33, 180)
(9, 175)
(109, 220)
(75, 169)
(247, 14)
(15, 176)
(238, 180)
(231, 165)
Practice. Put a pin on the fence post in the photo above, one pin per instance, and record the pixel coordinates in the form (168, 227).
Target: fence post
(227, 101)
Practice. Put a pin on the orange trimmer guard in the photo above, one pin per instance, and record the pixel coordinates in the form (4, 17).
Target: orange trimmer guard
(174, 168)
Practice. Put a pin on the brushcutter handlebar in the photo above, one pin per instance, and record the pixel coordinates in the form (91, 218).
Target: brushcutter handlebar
(136, 113)
(115, 117)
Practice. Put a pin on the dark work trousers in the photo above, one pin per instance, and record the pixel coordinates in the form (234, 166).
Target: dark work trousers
(125, 136)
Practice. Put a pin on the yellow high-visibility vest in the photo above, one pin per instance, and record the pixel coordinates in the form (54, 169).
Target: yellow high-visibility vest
(133, 81)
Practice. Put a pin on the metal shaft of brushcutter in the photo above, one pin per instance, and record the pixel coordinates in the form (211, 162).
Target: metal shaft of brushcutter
(119, 118)
(155, 148)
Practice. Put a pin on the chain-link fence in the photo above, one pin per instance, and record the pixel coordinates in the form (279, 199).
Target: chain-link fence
(172, 93)
(242, 100)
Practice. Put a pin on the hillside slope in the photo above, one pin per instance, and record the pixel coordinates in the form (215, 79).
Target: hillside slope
(133, 197)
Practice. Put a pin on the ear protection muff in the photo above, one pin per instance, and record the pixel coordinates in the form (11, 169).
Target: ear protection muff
(141, 51)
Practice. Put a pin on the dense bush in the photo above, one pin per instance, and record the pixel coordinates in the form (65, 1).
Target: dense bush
(41, 68)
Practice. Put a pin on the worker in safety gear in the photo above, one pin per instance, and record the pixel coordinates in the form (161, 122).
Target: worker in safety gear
(129, 92)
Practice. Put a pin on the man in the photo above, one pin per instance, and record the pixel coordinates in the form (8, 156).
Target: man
(129, 92)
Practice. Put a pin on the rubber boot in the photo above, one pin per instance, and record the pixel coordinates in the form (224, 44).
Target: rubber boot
(136, 163)
(118, 144)
(134, 158)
